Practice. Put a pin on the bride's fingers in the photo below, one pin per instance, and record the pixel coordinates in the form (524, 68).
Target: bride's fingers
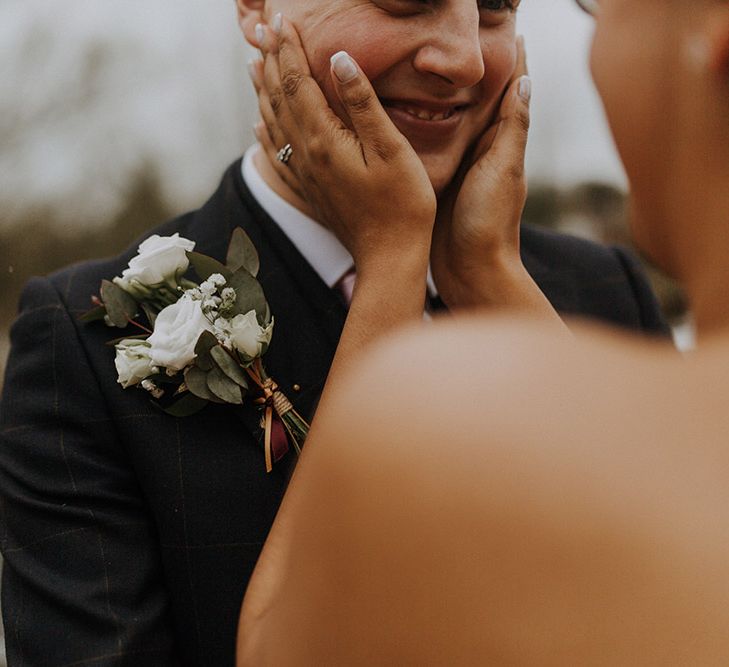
(274, 142)
(520, 70)
(278, 136)
(377, 133)
(255, 70)
(280, 129)
(505, 142)
(267, 128)
(302, 95)
(286, 172)
(271, 87)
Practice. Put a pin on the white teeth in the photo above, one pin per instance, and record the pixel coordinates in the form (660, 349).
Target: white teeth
(423, 114)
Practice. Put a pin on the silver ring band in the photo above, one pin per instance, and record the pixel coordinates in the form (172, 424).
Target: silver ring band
(284, 155)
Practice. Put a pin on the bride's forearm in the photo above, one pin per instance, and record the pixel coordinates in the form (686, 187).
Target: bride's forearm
(389, 293)
(500, 285)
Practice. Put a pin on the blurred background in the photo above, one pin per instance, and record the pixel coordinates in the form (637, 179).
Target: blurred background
(118, 114)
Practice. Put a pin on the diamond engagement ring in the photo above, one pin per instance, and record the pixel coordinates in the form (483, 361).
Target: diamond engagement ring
(284, 155)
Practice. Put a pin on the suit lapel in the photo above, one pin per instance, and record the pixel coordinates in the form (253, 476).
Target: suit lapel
(308, 315)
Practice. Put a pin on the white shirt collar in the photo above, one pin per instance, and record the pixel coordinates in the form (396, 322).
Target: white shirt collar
(327, 256)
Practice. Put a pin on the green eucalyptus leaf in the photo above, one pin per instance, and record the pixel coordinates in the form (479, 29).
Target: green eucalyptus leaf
(188, 404)
(204, 344)
(242, 253)
(197, 382)
(249, 296)
(96, 313)
(229, 366)
(205, 266)
(223, 387)
(120, 306)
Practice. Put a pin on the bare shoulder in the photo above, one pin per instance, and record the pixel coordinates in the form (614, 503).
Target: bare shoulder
(512, 372)
(490, 474)
(625, 421)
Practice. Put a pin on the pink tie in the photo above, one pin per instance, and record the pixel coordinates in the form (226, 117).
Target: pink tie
(345, 285)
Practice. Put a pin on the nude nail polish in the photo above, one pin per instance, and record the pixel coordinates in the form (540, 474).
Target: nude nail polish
(260, 34)
(343, 66)
(525, 88)
(277, 22)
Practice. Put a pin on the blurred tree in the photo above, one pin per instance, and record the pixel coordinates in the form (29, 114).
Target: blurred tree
(38, 245)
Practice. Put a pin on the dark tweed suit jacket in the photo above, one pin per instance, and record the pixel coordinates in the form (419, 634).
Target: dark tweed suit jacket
(129, 536)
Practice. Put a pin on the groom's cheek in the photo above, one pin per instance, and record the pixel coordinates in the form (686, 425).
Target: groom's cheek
(500, 58)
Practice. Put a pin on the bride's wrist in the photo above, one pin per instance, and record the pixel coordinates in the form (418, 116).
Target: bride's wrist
(502, 282)
(392, 257)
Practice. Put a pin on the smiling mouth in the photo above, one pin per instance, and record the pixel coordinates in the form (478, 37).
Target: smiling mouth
(427, 113)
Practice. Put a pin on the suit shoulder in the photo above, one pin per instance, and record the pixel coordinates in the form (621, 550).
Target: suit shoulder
(549, 250)
(77, 282)
(206, 226)
(585, 278)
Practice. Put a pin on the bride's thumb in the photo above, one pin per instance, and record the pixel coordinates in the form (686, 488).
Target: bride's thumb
(369, 120)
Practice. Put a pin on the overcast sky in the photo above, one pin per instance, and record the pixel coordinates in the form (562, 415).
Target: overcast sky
(569, 140)
(91, 91)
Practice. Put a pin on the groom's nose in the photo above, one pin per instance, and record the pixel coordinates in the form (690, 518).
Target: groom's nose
(453, 50)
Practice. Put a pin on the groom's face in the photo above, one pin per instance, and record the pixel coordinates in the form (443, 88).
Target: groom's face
(439, 67)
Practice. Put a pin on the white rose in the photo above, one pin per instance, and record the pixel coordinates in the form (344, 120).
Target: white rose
(248, 337)
(176, 331)
(133, 363)
(160, 259)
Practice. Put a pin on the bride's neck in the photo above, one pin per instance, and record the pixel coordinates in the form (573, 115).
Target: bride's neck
(704, 250)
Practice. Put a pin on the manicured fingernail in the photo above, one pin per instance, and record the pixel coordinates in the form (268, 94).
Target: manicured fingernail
(260, 34)
(525, 88)
(277, 23)
(343, 66)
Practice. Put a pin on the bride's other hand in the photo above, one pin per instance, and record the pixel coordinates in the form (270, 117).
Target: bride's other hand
(361, 177)
(475, 254)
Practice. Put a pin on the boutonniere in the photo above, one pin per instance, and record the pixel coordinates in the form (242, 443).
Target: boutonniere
(202, 342)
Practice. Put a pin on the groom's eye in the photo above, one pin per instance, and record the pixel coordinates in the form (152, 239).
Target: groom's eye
(497, 12)
(406, 7)
(402, 7)
(498, 5)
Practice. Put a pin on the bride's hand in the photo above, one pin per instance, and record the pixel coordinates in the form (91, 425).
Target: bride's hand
(475, 254)
(361, 177)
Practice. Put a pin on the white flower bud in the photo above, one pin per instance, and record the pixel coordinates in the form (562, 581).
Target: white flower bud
(212, 303)
(160, 260)
(207, 289)
(248, 337)
(132, 361)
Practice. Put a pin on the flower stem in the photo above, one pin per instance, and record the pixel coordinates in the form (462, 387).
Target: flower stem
(139, 326)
